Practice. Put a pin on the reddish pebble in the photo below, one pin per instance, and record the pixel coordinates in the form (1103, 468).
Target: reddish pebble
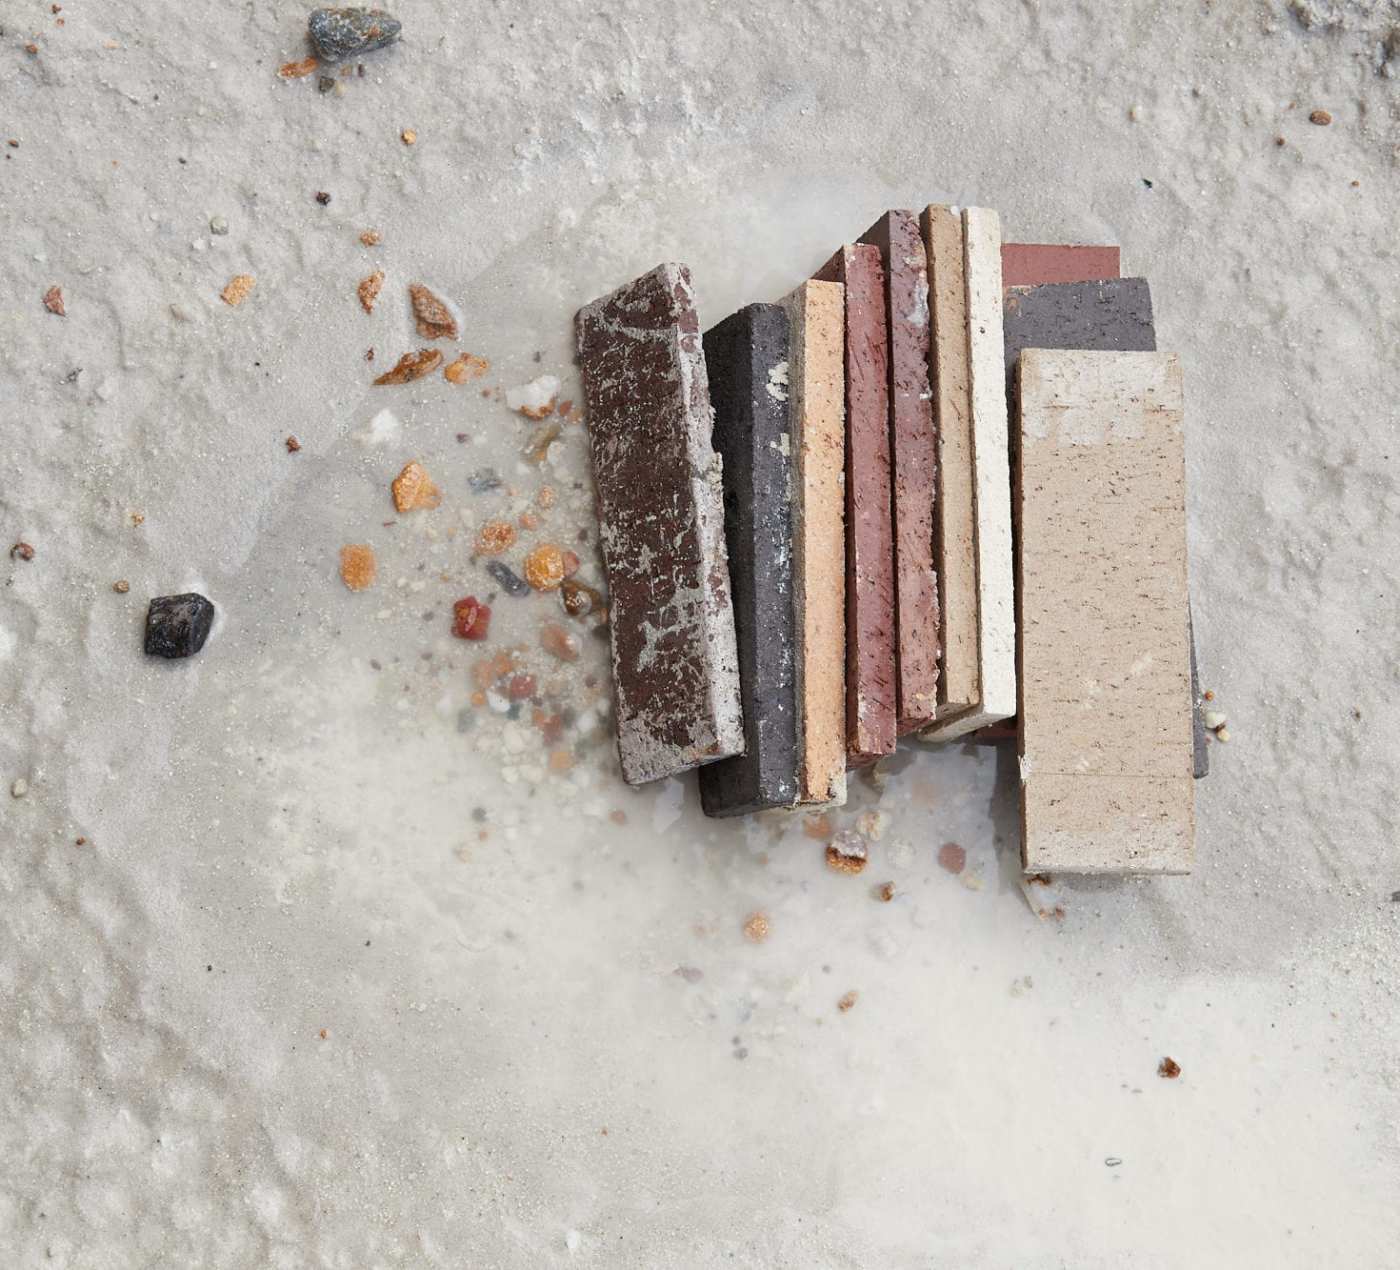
(952, 857)
(556, 641)
(520, 687)
(470, 618)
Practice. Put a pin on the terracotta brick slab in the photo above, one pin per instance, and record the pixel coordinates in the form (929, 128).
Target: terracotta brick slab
(1105, 662)
(996, 621)
(675, 666)
(746, 357)
(870, 613)
(1029, 264)
(817, 386)
(914, 459)
(955, 512)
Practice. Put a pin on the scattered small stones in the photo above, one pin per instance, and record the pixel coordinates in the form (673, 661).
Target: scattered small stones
(21, 551)
(536, 399)
(847, 1000)
(218, 225)
(293, 445)
(431, 314)
(465, 369)
(471, 619)
(580, 599)
(178, 625)
(1169, 1069)
(544, 567)
(371, 237)
(323, 198)
(885, 893)
(408, 137)
(358, 566)
(53, 301)
(484, 480)
(412, 366)
(299, 69)
(1321, 118)
(847, 852)
(756, 928)
(510, 581)
(121, 586)
(413, 489)
(557, 642)
(952, 857)
(339, 33)
(495, 537)
(20, 788)
(239, 288)
(369, 289)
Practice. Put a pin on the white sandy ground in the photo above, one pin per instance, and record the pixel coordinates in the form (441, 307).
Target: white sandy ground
(279, 811)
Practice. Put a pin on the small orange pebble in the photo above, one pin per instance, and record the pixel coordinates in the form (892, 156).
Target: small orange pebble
(31, 49)
(756, 927)
(817, 826)
(238, 289)
(292, 444)
(1169, 1069)
(296, 70)
(413, 489)
(412, 366)
(408, 136)
(565, 406)
(323, 1034)
(495, 537)
(121, 586)
(368, 290)
(520, 687)
(138, 518)
(1320, 117)
(371, 237)
(478, 698)
(847, 853)
(848, 1000)
(53, 301)
(557, 642)
(885, 893)
(528, 520)
(545, 498)
(560, 760)
(358, 566)
(466, 368)
(80, 842)
(617, 816)
(432, 316)
(544, 567)
(952, 857)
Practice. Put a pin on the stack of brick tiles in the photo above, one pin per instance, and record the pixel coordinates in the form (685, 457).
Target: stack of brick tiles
(938, 489)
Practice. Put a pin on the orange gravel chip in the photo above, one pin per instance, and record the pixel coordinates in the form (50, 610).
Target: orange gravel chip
(757, 928)
(414, 489)
(368, 290)
(53, 301)
(371, 237)
(434, 321)
(544, 567)
(412, 366)
(238, 289)
(357, 566)
(295, 70)
(495, 537)
(465, 369)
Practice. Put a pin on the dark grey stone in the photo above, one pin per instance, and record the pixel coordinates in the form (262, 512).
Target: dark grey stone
(341, 33)
(484, 480)
(178, 625)
(747, 356)
(511, 582)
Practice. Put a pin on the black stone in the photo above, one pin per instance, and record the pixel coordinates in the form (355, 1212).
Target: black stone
(178, 625)
(341, 33)
(510, 581)
(747, 357)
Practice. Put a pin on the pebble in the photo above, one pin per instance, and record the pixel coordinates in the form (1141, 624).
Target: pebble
(218, 225)
(341, 33)
(544, 567)
(178, 625)
(1215, 719)
(484, 481)
(557, 642)
(510, 581)
(847, 852)
(20, 788)
(470, 618)
(579, 599)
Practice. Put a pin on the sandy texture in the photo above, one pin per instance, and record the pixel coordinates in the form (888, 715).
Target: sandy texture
(281, 811)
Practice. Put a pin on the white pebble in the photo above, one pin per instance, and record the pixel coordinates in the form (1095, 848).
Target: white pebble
(1215, 719)
(20, 788)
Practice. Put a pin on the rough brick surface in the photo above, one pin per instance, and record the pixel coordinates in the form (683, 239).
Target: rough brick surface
(746, 357)
(675, 666)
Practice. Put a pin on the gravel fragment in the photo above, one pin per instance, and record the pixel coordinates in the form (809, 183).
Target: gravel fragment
(178, 625)
(510, 582)
(339, 33)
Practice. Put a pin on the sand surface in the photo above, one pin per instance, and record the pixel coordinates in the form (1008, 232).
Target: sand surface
(292, 1003)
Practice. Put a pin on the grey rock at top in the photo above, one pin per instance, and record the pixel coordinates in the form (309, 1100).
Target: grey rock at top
(339, 33)
(747, 359)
